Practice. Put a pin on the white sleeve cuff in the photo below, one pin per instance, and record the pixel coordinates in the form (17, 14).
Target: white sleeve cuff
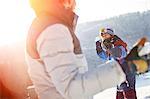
(81, 63)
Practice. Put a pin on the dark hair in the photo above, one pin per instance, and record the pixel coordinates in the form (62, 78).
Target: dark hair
(110, 29)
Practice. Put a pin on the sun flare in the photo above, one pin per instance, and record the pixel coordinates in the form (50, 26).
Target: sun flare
(15, 19)
(10, 39)
(16, 15)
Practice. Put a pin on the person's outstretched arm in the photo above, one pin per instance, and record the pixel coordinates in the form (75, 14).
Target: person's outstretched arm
(55, 48)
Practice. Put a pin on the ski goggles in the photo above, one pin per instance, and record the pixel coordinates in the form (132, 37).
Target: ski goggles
(104, 31)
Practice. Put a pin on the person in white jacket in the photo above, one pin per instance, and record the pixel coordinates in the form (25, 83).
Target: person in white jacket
(55, 57)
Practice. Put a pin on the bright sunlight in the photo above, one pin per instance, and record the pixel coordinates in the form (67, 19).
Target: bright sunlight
(16, 15)
(15, 19)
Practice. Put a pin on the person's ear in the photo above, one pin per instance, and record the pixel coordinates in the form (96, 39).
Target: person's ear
(66, 3)
(69, 4)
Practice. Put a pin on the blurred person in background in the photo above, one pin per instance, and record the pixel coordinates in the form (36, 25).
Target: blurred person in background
(109, 46)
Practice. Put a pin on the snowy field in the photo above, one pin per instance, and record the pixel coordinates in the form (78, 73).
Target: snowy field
(142, 87)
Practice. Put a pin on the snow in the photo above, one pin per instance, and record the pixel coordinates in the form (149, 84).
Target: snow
(142, 88)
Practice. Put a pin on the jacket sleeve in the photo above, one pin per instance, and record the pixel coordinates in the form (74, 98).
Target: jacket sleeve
(103, 55)
(56, 50)
(118, 52)
(123, 52)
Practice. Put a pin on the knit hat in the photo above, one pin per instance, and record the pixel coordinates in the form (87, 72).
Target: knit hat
(107, 30)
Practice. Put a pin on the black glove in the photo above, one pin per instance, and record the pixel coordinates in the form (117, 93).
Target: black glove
(108, 43)
(98, 47)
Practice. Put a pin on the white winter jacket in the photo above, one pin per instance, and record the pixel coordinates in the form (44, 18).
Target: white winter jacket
(58, 77)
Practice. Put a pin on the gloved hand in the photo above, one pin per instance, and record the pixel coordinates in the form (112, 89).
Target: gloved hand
(98, 47)
(136, 61)
(81, 63)
(108, 43)
(31, 92)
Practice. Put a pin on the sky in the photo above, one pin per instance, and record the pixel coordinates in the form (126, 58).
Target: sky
(16, 15)
(90, 10)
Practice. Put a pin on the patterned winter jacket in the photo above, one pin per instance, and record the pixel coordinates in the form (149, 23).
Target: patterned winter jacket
(115, 45)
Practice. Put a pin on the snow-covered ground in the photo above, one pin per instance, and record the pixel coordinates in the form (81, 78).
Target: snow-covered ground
(142, 87)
